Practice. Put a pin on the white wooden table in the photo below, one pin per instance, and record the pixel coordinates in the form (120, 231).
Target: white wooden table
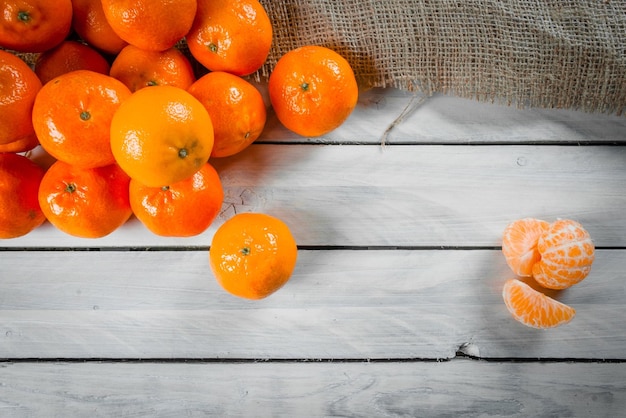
(394, 308)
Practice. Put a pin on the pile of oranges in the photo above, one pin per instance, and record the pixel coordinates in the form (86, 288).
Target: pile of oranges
(131, 119)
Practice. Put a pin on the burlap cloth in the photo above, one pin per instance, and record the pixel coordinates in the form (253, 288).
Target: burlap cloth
(538, 53)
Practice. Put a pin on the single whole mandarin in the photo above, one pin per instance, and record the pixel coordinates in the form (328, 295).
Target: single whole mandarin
(138, 68)
(519, 244)
(19, 86)
(19, 205)
(182, 209)
(85, 202)
(567, 253)
(252, 255)
(161, 135)
(230, 35)
(23, 144)
(153, 25)
(313, 90)
(236, 108)
(534, 309)
(34, 25)
(89, 22)
(69, 56)
(72, 117)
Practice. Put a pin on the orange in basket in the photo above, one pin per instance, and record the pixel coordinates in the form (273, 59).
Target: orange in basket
(34, 26)
(72, 115)
(252, 255)
(154, 25)
(138, 68)
(161, 135)
(519, 244)
(85, 202)
(19, 86)
(313, 90)
(19, 205)
(69, 56)
(182, 209)
(236, 108)
(230, 35)
(534, 309)
(567, 253)
(89, 22)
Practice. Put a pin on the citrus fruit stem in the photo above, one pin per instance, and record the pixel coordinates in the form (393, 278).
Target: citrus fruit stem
(304, 86)
(245, 251)
(213, 47)
(70, 187)
(84, 115)
(23, 16)
(182, 153)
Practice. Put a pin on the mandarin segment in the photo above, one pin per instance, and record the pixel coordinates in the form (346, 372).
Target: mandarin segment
(533, 308)
(519, 244)
(567, 253)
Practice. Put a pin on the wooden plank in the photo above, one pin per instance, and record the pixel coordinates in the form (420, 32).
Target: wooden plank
(404, 195)
(415, 389)
(338, 305)
(445, 119)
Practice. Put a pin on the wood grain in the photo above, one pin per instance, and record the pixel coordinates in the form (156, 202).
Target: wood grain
(338, 305)
(355, 195)
(414, 389)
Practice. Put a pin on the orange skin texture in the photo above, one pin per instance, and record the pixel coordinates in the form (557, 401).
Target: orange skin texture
(567, 253)
(534, 309)
(19, 86)
(35, 25)
(234, 36)
(252, 255)
(183, 209)
(89, 22)
(85, 202)
(19, 205)
(138, 68)
(72, 115)
(69, 56)
(236, 108)
(161, 135)
(313, 90)
(153, 25)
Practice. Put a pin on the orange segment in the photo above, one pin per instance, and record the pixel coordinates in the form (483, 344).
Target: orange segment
(519, 244)
(533, 308)
(567, 253)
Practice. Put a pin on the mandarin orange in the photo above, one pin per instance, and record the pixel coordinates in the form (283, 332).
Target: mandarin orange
(161, 135)
(236, 108)
(252, 255)
(69, 56)
(34, 25)
(89, 22)
(313, 90)
(19, 86)
(230, 35)
(72, 116)
(182, 209)
(85, 202)
(19, 185)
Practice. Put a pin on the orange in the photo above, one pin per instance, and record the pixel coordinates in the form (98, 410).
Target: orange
(89, 22)
(567, 253)
(137, 68)
(19, 86)
(19, 184)
(534, 309)
(69, 56)
(312, 90)
(230, 35)
(72, 115)
(85, 202)
(154, 25)
(161, 135)
(34, 25)
(23, 144)
(252, 255)
(182, 209)
(519, 244)
(236, 108)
